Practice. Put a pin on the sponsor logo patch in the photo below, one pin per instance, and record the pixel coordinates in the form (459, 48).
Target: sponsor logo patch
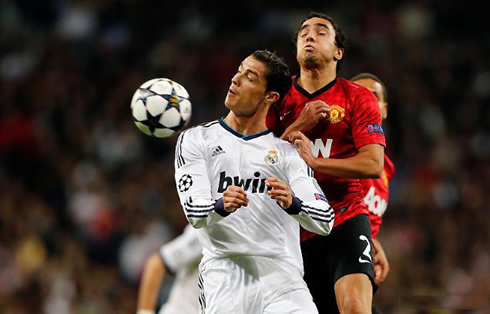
(320, 197)
(375, 128)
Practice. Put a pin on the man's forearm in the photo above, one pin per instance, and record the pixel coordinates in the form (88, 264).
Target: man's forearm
(295, 126)
(150, 283)
(356, 167)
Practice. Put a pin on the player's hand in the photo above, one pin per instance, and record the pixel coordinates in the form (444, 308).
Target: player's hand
(312, 113)
(234, 197)
(303, 144)
(381, 265)
(280, 192)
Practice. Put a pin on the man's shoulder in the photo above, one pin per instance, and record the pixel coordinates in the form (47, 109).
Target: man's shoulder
(285, 148)
(200, 129)
(351, 87)
(357, 94)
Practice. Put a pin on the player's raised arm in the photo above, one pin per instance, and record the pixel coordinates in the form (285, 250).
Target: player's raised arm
(193, 185)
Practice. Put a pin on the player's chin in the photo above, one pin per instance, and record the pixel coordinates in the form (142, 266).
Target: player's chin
(228, 102)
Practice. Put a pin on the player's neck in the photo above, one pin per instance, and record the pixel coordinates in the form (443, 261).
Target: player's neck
(314, 79)
(247, 125)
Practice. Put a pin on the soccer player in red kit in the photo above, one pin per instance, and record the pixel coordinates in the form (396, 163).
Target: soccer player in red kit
(376, 190)
(343, 122)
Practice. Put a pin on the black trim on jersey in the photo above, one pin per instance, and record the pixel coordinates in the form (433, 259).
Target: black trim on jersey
(295, 207)
(319, 214)
(315, 217)
(219, 208)
(180, 159)
(314, 94)
(208, 124)
(202, 297)
(202, 212)
(240, 135)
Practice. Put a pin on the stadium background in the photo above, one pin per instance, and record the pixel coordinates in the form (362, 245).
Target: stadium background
(85, 197)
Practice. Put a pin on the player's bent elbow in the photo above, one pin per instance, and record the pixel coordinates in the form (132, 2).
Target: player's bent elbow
(375, 169)
(327, 228)
(197, 223)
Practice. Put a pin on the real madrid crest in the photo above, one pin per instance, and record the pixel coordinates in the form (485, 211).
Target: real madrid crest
(337, 113)
(272, 157)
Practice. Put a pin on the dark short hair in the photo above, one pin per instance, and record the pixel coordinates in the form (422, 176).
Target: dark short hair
(340, 38)
(366, 75)
(277, 76)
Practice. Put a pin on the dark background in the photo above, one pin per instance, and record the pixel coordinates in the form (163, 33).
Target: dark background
(85, 197)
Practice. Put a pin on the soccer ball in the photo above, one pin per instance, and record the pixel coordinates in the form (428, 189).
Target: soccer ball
(161, 107)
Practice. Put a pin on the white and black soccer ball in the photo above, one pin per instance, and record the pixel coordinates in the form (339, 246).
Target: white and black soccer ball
(161, 107)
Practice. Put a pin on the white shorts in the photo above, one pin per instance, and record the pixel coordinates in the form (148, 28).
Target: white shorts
(253, 285)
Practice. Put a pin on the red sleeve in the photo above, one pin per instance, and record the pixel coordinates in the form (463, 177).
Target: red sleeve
(366, 119)
(389, 168)
(273, 122)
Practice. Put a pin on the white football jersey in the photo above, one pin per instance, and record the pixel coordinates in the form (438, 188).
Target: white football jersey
(212, 156)
(182, 256)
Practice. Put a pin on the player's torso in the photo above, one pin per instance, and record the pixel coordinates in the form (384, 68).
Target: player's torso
(262, 226)
(331, 138)
(242, 162)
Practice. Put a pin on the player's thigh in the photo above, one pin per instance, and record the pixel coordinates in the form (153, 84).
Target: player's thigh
(352, 252)
(215, 296)
(298, 301)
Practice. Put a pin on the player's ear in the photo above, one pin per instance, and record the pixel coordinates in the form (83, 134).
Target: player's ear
(384, 110)
(271, 97)
(339, 54)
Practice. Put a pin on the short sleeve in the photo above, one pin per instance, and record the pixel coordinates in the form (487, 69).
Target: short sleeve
(366, 119)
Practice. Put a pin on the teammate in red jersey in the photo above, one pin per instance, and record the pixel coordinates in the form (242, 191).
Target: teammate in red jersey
(376, 190)
(343, 121)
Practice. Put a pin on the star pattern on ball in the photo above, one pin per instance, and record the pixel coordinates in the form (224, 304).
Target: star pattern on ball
(185, 183)
(152, 122)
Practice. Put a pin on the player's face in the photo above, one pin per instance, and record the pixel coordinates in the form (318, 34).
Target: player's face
(377, 89)
(248, 88)
(315, 44)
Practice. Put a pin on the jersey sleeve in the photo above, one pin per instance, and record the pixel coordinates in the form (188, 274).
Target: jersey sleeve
(366, 119)
(183, 252)
(273, 120)
(310, 206)
(193, 183)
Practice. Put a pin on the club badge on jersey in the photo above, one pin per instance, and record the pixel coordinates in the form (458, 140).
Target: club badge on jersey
(272, 157)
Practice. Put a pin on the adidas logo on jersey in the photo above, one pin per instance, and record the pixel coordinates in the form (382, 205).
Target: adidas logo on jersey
(217, 150)
(256, 184)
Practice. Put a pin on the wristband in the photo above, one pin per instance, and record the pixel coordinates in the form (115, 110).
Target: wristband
(145, 312)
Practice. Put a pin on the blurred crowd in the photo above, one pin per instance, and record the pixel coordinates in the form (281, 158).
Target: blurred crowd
(85, 197)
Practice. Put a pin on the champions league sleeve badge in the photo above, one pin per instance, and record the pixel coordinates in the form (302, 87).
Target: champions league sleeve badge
(272, 157)
(185, 183)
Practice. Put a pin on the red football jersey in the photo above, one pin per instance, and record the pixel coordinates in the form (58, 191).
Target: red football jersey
(376, 195)
(354, 121)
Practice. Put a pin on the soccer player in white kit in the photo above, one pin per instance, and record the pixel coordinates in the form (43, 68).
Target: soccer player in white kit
(180, 257)
(247, 192)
